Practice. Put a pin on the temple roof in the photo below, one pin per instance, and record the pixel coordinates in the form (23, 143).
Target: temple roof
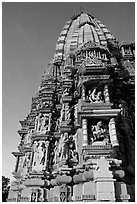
(80, 29)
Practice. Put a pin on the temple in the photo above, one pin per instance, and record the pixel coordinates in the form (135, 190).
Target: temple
(77, 142)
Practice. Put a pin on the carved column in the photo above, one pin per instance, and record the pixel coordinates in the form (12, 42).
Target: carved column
(130, 52)
(123, 52)
(31, 160)
(106, 94)
(47, 153)
(112, 133)
(17, 163)
(85, 132)
(83, 93)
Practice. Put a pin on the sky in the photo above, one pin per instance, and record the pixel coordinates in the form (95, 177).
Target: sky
(29, 35)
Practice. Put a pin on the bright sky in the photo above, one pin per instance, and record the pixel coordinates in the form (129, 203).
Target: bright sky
(29, 36)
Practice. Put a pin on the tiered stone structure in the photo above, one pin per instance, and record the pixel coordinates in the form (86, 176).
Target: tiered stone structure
(77, 142)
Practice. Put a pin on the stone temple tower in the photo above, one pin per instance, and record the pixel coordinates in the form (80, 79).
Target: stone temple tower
(77, 142)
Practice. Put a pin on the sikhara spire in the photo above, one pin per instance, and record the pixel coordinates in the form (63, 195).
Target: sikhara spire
(77, 142)
(80, 29)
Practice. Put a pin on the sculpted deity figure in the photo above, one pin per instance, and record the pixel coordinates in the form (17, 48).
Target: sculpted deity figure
(62, 115)
(35, 157)
(42, 154)
(98, 132)
(99, 97)
(56, 152)
(26, 162)
(75, 139)
(73, 145)
(38, 122)
(27, 140)
(95, 96)
(57, 124)
(63, 146)
(45, 123)
(39, 156)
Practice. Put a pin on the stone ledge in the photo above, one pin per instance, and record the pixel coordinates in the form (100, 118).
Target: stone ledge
(40, 137)
(34, 182)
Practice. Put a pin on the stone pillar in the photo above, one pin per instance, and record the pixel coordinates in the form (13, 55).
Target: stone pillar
(123, 52)
(17, 163)
(104, 181)
(83, 93)
(89, 191)
(112, 133)
(86, 54)
(31, 160)
(77, 192)
(106, 94)
(47, 153)
(85, 132)
(121, 192)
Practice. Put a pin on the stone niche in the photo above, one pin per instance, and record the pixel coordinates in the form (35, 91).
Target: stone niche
(98, 133)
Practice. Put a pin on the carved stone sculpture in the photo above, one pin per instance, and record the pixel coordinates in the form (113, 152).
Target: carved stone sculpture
(27, 140)
(67, 112)
(39, 156)
(99, 132)
(66, 92)
(63, 146)
(56, 153)
(95, 96)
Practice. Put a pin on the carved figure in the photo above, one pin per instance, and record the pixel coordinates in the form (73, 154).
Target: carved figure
(92, 95)
(38, 122)
(35, 158)
(45, 123)
(26, 159)
(63, 146)
(99, 97)
(62, 116)
(66, 92)
(74, 155)
(75, 139)
(39, 156)
(57, 124)
(26, 163)
(95, 96)
(73, 145)
(98, 132)
(123, 107)
(56, 152)
(27, 140)
(42, 154)
(67, 112)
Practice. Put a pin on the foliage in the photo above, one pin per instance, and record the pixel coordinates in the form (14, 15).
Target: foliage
(5, 188)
